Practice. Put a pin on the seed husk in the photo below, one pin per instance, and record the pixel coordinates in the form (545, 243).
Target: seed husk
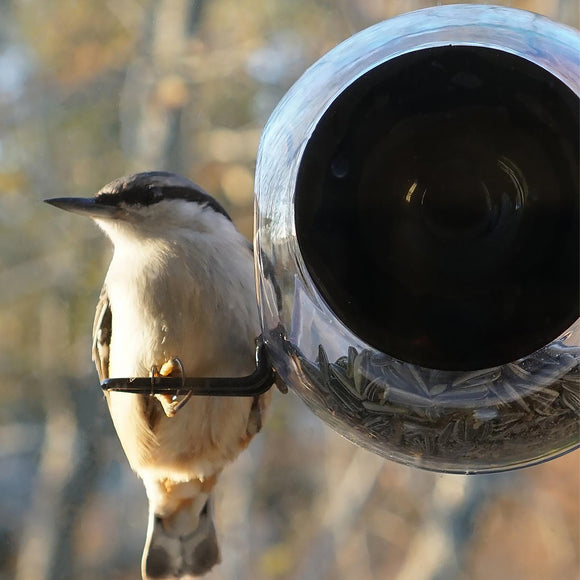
(478, 418)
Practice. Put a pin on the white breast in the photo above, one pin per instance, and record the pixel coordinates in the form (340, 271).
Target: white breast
(194, 300)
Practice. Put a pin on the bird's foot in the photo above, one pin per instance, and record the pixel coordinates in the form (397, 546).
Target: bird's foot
(172, 403)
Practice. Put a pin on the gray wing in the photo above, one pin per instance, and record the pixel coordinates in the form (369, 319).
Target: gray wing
(101, 348)
(102, 335)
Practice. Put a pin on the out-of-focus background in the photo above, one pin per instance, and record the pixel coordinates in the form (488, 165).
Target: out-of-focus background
(90, 91)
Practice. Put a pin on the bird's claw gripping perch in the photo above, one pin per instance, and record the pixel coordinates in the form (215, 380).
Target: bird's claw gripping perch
(170, 403)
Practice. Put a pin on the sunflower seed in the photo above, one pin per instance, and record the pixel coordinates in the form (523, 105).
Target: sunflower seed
(486, 417)
(476, 378)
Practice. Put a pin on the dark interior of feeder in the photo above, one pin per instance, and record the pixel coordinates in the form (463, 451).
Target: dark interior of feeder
(437, 207)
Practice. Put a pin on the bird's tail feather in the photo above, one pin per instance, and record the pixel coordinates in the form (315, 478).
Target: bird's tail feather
(181, 545)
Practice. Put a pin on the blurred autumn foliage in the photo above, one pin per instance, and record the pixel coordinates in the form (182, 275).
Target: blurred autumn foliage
(90, 91)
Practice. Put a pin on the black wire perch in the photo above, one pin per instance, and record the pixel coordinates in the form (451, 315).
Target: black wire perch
(248, 386)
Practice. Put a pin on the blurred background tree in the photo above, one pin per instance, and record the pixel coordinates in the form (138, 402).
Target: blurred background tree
(91, 91)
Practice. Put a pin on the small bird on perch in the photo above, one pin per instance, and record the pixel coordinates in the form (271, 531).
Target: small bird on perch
(178, 299)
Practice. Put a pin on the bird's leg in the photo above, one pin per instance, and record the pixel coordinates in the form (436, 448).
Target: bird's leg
(172, 403)
(255, 418)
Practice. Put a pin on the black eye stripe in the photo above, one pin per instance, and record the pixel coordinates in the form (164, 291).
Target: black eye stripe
(147, 189)
(194, 195)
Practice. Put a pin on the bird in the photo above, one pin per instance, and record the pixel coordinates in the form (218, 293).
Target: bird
(178, 299)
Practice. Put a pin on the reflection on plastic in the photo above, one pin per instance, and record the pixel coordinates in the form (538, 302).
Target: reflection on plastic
(419, 204)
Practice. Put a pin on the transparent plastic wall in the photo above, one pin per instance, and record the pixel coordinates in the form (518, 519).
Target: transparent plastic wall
(417, 238)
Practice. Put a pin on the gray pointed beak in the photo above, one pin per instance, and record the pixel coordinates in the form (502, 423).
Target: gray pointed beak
(86, 206)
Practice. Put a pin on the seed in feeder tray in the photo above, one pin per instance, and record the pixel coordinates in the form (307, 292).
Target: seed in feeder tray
(479, 419)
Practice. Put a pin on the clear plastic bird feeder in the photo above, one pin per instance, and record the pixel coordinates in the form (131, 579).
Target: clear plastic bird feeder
(417, 205)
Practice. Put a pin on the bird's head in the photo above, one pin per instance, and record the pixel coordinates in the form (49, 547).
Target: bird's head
(149, 205)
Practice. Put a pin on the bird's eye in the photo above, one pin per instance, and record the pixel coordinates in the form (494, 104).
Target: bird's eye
(156, 195)
(143, 196)
(107, 199)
